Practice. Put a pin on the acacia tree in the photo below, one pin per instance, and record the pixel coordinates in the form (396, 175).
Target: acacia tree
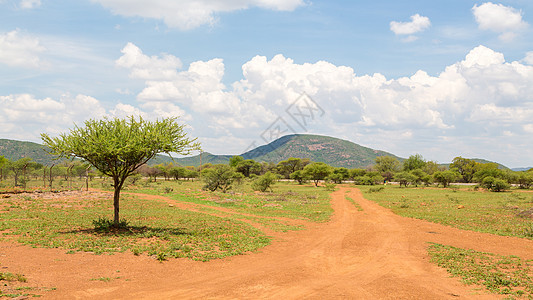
(118, 147)
(317, 171)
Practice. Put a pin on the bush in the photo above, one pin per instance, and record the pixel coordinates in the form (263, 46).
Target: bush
(264, 182)
(500, 185)
(218, 177)
(330, 186)
(495, 184)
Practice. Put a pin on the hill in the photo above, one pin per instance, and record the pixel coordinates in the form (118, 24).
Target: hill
(333, 151)
(15, 150)
(196, 160)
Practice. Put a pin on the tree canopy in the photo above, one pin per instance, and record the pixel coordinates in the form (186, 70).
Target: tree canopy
(118, 147)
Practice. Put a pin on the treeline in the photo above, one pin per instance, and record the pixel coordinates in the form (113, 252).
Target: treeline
(414, 171)
(19, 173)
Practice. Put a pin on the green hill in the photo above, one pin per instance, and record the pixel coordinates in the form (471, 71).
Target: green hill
(196, 160)
(333, 151)
(15, 150)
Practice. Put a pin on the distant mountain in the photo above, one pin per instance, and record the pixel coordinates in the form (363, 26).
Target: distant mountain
(333, 151)
(196, 160)
(15, 150)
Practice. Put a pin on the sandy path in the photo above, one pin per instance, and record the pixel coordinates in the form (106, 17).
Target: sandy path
(368, 254)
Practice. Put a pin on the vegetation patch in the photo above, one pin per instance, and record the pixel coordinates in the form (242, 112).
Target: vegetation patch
(359, 208)
(498, 213)
(508, 275)
(293, 201)
(154, 229)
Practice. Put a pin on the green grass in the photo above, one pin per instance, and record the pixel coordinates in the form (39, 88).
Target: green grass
(154, 228)
(359, 208)
(289, 200)
(498, 213)
(12, 277)
(508, 275)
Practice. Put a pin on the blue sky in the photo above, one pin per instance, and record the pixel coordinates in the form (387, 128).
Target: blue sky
(438, 78)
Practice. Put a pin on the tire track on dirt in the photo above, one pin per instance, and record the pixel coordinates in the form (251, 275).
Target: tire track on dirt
(358, 254)
(368, 254)
(196, 207)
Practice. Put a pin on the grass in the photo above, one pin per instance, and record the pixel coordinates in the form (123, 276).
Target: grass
(289, 200)
(79, 223)
(507, 214)
(12, 277)
(159, 231)
(359, 208)
(507, 275)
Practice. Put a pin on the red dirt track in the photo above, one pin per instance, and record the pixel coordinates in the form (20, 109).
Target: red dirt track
(368, 254)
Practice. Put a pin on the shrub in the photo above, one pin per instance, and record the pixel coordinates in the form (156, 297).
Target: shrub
(495, 184)
(500, 185)
(330, 186)
(264, 182)
(218, 177)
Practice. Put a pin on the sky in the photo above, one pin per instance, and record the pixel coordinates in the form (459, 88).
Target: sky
(441, 78)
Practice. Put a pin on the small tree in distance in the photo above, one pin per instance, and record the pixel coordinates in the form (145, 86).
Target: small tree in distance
(118, 147)
(264, 182)
(317, 171)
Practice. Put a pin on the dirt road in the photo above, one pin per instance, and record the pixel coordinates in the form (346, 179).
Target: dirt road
(360, 254)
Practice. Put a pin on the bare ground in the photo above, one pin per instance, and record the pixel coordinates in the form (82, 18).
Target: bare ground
(368, 254)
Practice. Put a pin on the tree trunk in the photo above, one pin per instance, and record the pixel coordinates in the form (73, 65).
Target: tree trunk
(87, 179)
(116, 198)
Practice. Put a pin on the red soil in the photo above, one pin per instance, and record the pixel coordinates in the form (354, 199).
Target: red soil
(368, 254)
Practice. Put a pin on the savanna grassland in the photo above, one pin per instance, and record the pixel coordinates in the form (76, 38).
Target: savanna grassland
(508, 214)
(168, 219)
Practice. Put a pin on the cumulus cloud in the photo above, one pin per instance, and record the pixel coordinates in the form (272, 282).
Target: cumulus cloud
(529, 58)
(417, 24)
(20, 50)
(25, 117)
(185, 14)
(145, 67)
(501, 19)
(479, 95)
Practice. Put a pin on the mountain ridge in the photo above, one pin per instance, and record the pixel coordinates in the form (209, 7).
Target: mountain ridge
(333, 151)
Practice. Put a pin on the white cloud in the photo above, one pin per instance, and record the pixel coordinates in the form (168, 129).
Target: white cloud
(38, 115)
(29, 4)
(501, 19)
(145, 67)
(186, 14)
(529, 58)
(480, 95)
(417, 24)
(20, 50)
(25, 117)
